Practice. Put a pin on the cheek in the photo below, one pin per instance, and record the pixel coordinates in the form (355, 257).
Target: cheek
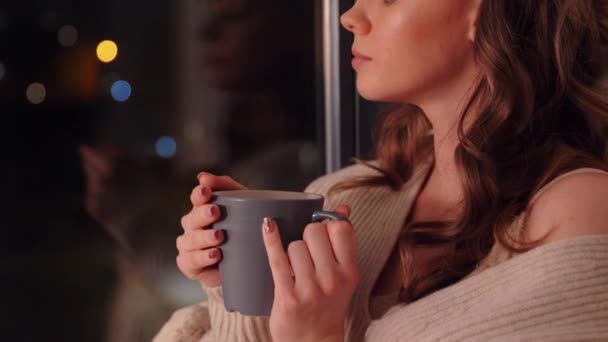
(417, 53)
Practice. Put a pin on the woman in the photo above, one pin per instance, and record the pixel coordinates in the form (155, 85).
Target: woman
(484, 216)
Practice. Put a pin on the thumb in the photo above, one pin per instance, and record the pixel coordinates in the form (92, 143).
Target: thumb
(343, 210)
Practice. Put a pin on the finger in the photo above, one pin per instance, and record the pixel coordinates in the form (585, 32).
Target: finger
(193, 263)
(200, 195)
(279, 263)
(343, 241)
(343, 210)
(200, 217)
(199, 239)
(317, 240)
(303, 268)
(218, 182)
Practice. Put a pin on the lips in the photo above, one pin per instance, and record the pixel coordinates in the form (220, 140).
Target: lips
(359, 59)
(359, 55)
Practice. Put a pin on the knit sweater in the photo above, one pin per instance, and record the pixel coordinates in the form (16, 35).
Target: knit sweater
(555, 292)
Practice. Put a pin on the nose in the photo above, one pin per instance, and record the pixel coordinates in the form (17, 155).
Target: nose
(355, 21)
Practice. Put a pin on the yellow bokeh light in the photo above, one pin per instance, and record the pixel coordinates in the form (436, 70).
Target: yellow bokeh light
(107, 51)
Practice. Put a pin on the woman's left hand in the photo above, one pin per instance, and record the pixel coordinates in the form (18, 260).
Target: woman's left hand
(314, 281)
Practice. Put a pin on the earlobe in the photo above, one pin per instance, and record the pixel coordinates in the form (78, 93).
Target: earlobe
(472, 32)
(474, 18)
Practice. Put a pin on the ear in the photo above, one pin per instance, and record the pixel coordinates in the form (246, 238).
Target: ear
(475, 8)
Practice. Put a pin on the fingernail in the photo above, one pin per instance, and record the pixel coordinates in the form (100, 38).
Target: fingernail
(217, 235)
(200, 174)
(212, 212)
(205, 191)
(268, 225)
(213, 254)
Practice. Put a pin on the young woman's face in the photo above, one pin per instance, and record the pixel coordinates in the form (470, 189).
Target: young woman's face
(417, 49)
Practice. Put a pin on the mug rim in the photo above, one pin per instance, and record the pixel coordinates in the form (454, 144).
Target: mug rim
(233, 195)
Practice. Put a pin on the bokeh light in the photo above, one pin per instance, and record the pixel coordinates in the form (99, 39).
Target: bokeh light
(36, 93)
(121, 91)
(2, 71)
(166, 147)
(67, 35)
(107, 51)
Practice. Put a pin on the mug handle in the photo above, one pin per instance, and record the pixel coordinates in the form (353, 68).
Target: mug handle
(321, 215)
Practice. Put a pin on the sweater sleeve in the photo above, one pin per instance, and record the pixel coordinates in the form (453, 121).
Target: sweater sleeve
(233, 326)
(186, 324)
(210, 322)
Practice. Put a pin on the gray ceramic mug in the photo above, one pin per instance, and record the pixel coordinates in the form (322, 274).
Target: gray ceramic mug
(246, 277)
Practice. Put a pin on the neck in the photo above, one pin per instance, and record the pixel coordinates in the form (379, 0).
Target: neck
(444, 113)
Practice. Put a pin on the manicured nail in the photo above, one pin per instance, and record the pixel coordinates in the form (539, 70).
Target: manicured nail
(268, 225)
(205, 191)
(217, 235)
(213, 254)
(212, 212)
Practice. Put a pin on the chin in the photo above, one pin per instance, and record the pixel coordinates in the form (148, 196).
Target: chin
(377, 95)
(381, 93)
(371, 93)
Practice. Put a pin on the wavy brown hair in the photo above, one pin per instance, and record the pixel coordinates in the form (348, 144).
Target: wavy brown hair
(538, 114)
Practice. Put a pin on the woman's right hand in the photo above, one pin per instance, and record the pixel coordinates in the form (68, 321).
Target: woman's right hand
(198, 248)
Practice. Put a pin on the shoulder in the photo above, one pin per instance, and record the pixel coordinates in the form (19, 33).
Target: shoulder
(322, 184)
(356, 197)
(572, 206)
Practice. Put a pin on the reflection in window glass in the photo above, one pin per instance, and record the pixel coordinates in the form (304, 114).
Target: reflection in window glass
(110, 109)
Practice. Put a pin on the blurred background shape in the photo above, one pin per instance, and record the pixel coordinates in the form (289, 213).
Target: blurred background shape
(109, 109)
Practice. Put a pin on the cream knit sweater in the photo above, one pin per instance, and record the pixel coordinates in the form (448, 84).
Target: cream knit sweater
(554, 292)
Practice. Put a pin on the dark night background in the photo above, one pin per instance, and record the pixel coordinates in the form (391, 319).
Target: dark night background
(95, 178)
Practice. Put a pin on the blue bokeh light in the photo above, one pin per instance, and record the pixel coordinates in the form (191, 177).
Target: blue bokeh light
(166, 147)
(121, 91)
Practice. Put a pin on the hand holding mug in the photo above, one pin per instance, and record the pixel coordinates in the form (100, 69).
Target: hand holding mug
(198, 252)
(314, 279)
